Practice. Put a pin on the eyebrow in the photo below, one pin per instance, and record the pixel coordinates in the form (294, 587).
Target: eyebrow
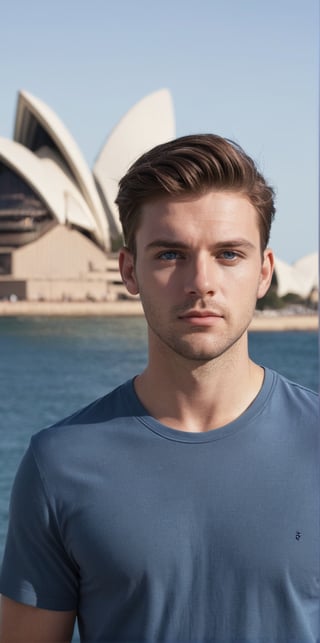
(166, 243)
(228, 243)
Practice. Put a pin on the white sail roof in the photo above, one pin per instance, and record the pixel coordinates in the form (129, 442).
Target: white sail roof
(31, 110)
(46, 155)
(50, 183)
(301, 278)
(148, 123)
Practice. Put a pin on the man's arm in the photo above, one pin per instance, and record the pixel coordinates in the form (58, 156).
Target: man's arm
(21, 623)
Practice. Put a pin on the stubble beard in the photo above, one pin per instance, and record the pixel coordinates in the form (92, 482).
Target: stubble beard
(196, 345)
(196, 348)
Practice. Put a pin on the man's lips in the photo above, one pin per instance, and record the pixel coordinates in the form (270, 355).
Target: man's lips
(200, 318)
(200, 314)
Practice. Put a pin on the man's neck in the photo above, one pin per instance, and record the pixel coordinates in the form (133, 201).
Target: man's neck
(199, 397)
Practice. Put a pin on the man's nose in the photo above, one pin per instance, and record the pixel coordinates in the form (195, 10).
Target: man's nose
(201, 276)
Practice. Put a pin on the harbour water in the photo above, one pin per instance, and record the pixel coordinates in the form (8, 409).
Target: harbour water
(52, 366)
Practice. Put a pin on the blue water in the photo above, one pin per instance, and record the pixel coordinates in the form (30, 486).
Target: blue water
(52, 366)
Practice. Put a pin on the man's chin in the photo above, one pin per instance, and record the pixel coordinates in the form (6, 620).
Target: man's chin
(198, 353)
(201, 349)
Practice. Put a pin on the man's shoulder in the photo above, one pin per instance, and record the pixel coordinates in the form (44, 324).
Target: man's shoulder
(296, 397)
(295, 388)
(108, 410)
(102, 409)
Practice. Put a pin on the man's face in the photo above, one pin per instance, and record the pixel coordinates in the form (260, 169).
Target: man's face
(199, 272)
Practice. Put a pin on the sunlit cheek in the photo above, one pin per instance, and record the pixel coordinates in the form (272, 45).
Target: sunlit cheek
(243, 288)
(247, 273)
(166, 276)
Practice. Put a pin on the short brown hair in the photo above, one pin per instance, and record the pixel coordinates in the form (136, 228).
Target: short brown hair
(192, 165)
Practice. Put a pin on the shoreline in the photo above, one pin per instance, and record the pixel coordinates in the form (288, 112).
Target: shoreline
(262, 321)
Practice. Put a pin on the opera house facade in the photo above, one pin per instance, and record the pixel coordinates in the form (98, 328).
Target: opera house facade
(58, 220)
(59, 224)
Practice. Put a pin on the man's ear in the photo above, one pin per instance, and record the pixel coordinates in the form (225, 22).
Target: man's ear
(266, 273)
(127, 271)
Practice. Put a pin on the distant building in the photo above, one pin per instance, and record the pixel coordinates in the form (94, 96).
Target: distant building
(58, 220)
(301, 278)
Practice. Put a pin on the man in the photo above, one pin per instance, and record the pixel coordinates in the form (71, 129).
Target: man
(182, 506)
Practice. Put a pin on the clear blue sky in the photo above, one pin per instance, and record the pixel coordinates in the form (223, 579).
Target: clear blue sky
(245, 69)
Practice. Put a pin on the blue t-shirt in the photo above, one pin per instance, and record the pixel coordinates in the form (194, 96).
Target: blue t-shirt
(154, 534)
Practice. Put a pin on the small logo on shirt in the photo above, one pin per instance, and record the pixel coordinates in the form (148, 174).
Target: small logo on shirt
(298, 535)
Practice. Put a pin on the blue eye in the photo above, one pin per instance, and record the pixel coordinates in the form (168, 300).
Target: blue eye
(229, 255)
(169, 255)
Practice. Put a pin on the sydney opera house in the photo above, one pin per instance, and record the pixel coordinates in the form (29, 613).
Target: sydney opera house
(58, 221)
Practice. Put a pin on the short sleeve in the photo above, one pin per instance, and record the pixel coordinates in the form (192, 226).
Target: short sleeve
(36, 568)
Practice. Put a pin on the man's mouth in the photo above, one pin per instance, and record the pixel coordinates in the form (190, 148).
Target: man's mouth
(196, 317)
(200, 313)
